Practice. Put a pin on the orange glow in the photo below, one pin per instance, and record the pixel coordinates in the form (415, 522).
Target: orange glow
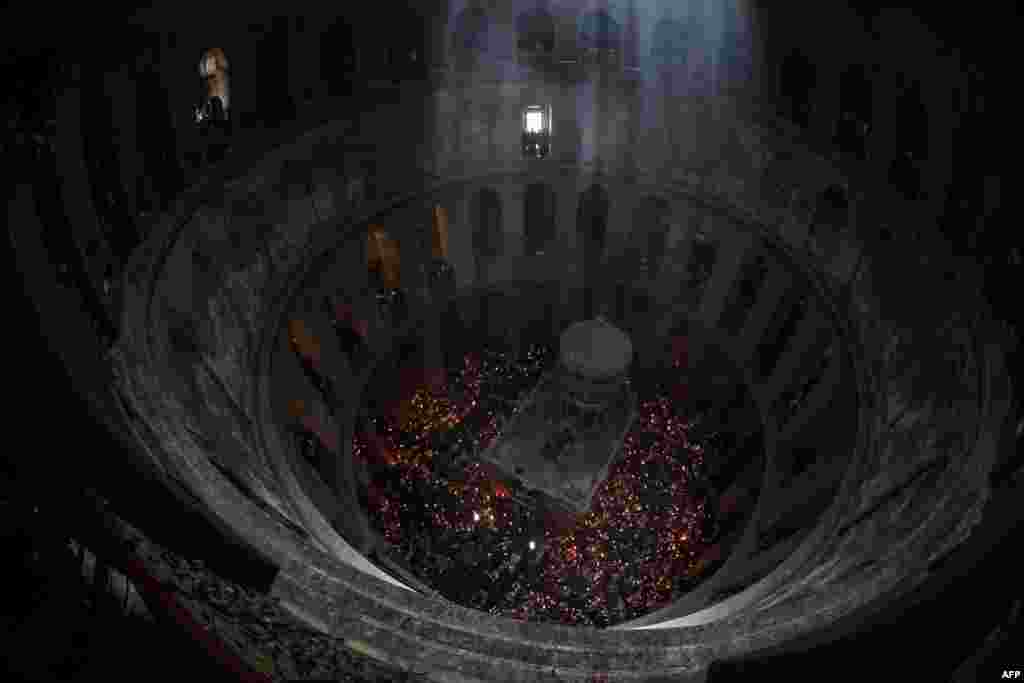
(440, 234)
(382, 250)
(303, 341)
(296, 408)
(213, 69)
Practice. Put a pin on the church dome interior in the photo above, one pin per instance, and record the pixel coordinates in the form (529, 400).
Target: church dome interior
(478, 342)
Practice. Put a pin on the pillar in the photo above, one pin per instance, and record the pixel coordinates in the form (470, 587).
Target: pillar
(460, 240)
(733, 247)
(121, 86)
(776, 284)
(811, 336)
(682, 224)
(819, 397)
(571, 280)
(826, 100)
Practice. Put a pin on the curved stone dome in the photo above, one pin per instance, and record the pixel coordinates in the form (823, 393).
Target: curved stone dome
(595, 348)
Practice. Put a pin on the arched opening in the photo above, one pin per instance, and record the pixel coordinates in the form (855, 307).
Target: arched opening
(797, 81)
(487, 232)
(911, 132)
(592, 218)
(855, 116)
(656, 233)
(539, 218)
(339, 59)
(535, 31)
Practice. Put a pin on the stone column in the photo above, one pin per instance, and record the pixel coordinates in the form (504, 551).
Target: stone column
(819, 397)
(766, 307)
(566, 133)
(810, 339)
(682, 223)
(121, 86)
(571, 280)
(179, 61)
(733, 246)
(619, 243)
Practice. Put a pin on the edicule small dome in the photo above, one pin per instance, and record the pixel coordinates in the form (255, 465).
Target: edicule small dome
(595, 349)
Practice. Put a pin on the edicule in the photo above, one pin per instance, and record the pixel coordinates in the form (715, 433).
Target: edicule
(564, 435)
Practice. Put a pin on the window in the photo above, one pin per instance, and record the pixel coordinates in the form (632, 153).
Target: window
(383, 256)
(213, 69)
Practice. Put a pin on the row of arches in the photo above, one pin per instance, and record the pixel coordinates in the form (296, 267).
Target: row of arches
(539, 235)
(540, 216)
(906, 114)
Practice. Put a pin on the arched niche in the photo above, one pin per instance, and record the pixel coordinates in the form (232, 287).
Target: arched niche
(339, 58)
(592, 218)
(855, 111)
(797, 80)
(487, 228)
(855, 92)
(538, 218)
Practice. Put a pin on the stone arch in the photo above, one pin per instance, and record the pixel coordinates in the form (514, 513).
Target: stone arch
(487, 228)
(535, 30)
(538, 218)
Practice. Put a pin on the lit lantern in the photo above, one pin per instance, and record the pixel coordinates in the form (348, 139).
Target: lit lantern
(303, 340)
(383, 252)
(440, 232)
(213, 69)
(537, 131)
